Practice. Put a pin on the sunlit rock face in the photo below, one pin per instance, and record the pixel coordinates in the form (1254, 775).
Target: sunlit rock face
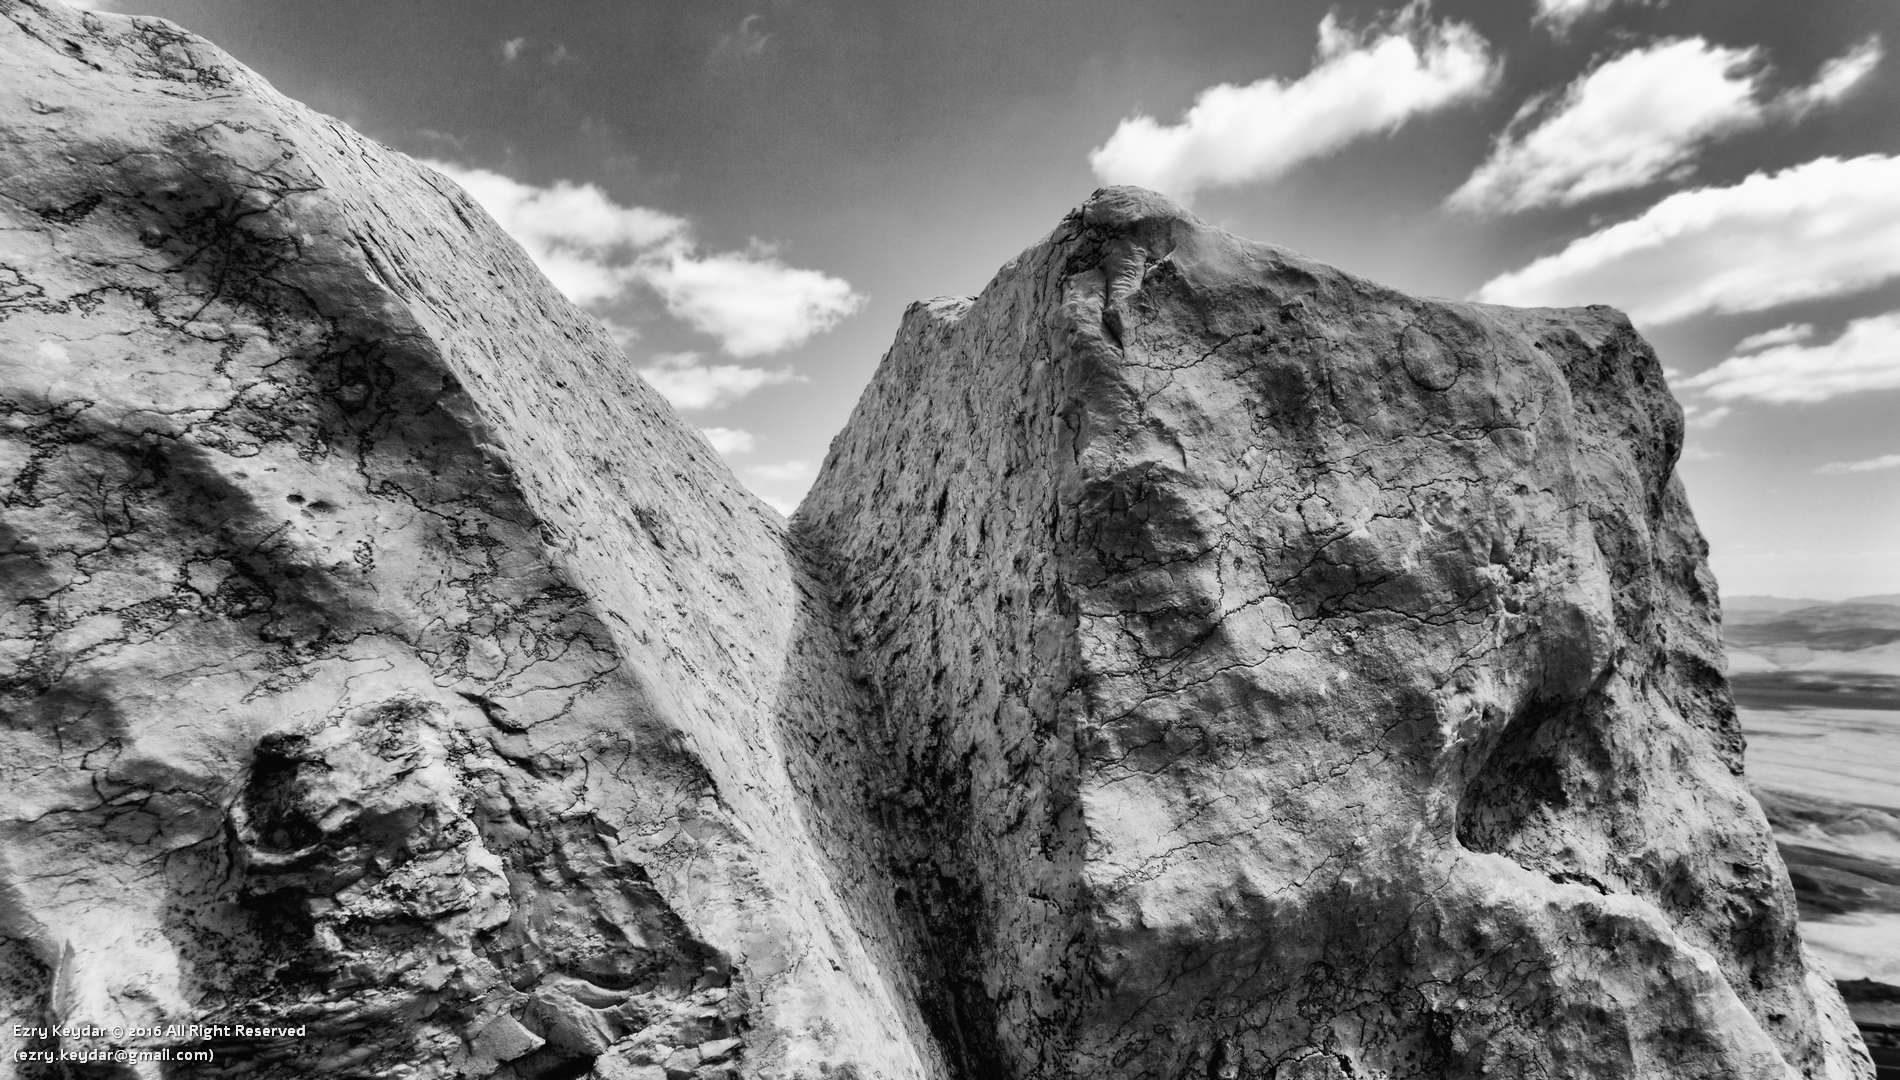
(1192, 662)
(1293, 678)
(380, 655)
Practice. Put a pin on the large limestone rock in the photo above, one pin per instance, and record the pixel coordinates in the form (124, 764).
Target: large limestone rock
(1193, 661)
(1292, 678)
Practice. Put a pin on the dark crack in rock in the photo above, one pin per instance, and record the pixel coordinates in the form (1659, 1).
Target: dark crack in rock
(1192, 662)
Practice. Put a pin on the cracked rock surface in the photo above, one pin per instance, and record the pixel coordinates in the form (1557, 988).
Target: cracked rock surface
(1192, 662)
(379, 654)
(1293, 678)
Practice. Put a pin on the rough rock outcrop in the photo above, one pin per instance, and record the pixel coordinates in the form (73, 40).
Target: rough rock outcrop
(380, 655)
(1192, 661)
(1299, 679)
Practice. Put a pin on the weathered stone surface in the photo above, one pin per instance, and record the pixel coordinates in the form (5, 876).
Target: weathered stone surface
(1293, 678)
(1193, 661)
(379, 653)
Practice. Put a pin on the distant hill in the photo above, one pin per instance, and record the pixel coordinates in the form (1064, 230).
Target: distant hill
(1810, 640)
(1745, 603)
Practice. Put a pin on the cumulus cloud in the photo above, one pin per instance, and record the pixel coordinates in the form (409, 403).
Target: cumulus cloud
(753, 303)
(1865, 357)
(1829, 227)
(686, 380)
(1781, 335)
(1362, 83)
(582, 240)
(728, 440)
(511, 49)
(1606, 132)
(1873, 464)
(596, 250)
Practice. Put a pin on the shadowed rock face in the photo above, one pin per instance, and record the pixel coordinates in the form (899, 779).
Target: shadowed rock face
(1192, 661)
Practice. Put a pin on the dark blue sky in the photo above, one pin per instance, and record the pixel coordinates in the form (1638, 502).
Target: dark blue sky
(841, 158)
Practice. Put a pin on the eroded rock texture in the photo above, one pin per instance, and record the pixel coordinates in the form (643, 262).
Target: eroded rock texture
(379, 654)
(1193, 661)
(1299, 679)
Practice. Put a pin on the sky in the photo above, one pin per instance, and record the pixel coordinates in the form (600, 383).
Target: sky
(750, 192)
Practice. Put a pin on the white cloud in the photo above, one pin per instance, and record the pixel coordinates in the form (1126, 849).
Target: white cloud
(511, 49)
(1838, 77)
(1606, 132)
(1829, 227)
(583, 241)
(784, 472)
(689, 383)
(753, 303)
(728, 440)
(1865, 357)
(1362, 83)
(1874, 464)
(92, 5)
(1781, 335)
(1560, 14)
(1701, 418)
(596, 250)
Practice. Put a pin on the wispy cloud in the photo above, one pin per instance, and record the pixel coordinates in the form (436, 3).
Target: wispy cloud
(1560, 15)
(747, 40)
(1606, 132)
(511, 49)
(686, 380)
(1362, 83)
(596, 250)
(1873, 464)
(1829, 227)
(1702, 418)
(1838, 78)
(1865, 357)
(1781, 335)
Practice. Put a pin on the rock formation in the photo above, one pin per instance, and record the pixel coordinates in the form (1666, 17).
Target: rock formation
(1193, 661)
